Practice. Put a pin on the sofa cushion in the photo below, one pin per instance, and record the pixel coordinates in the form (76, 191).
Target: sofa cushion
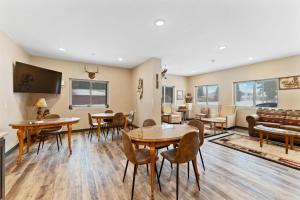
(292, 118)
(291, 127)
(269, 124)
(272, 115)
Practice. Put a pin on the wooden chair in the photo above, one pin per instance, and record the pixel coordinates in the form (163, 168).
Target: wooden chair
(187, 151)
(108, 121)
(136, 157)
(198, 124)
(118, 122)
(130, 120)
(50, 131)
(94, 125)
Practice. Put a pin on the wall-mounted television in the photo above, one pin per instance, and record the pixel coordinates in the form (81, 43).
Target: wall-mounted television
(32, 79)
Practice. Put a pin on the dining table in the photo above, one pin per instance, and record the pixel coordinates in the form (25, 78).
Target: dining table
(29, 125)
(160, 135)
(102, 116)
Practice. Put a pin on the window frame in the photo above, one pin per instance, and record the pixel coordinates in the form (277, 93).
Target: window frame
(90, 96)
(163, 98)
(254, 91)
(206, 95)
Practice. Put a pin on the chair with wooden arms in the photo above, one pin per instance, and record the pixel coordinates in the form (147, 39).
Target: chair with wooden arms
(136, 157)
(198, 124)
(186, 151)
(50, 131)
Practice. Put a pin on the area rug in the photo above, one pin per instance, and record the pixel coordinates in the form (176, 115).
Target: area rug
(274, 151)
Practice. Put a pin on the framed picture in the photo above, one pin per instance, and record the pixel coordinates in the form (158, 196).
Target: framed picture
(179, 94)
(287, 83)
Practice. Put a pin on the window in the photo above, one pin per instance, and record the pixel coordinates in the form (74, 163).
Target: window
(167, 94)
(261, 93)
(87, 93)
(207, 94)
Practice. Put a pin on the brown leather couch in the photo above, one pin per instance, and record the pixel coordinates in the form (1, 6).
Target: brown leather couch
(278, 118)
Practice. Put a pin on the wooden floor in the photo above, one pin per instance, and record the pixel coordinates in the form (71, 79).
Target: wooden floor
(95, 171)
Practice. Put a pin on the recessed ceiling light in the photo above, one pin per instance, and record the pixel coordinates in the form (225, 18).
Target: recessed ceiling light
(222, 47)
(120, 59)
(61, 49)
(159, 22)
(250, 58)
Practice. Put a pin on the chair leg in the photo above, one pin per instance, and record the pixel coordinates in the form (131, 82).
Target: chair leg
(39, 145)
(157, 176)
(43, 141)
(133, 181)
(125, 171)
(196, 176)
(89, 132)
(57, 141)
(200, 154)
(177, 181)
(60, 139)
(147, 169)
(161, 166)
(188, 168)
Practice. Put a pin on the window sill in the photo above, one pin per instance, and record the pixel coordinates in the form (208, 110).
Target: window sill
(87, 107)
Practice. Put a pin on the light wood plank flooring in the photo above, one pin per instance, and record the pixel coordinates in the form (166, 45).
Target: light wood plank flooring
(95, 171)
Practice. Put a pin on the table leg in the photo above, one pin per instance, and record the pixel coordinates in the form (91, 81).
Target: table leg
(125, 125)
(28, 139)
(214, 124)
(261, 138)
(267, 138)
(70, 138)
(20, 134)
(152, 171)
(98, 128)
(286, 144)
(222, 127)
(292, 141)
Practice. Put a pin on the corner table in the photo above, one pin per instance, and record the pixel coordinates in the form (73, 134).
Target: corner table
(24, 126)
(160, 135)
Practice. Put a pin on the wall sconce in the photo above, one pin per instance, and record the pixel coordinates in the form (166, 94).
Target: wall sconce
(140, 89)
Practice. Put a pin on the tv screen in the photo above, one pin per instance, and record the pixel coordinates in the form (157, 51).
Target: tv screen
(32, 79)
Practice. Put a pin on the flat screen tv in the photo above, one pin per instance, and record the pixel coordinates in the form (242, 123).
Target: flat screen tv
(32, 79)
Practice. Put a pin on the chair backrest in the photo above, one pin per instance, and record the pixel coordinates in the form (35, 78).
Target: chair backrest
(90, 119)
(198, 124)
(128, 148)
(166, 108)
(188, 147)
(227, 110)
(119, 119)
(109, 111)
(149, 122)
(52, 129)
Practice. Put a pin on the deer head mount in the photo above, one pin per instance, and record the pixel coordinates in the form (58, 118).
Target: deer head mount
(92, 75)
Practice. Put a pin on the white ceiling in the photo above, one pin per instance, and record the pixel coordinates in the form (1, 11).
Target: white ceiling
(101, 31)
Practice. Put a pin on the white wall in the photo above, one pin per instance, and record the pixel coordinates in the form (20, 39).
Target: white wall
(149, 106)
(12, 105)
(287, 99)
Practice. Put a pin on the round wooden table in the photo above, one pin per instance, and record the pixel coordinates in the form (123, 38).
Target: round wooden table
(159, 135)
(24, 126)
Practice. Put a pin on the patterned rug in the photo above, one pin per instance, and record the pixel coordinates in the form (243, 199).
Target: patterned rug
(274, 151)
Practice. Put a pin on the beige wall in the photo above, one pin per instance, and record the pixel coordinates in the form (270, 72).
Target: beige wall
(287, 99)
(180, 83)
(149, 106)
(12, 105)
(119, 88)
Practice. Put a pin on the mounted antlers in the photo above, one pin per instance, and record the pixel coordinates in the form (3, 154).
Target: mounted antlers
(92, 75)
(164, 72)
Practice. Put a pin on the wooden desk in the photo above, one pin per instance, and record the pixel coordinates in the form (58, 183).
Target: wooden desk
(158, 135)
(26, 125)
(101, 116)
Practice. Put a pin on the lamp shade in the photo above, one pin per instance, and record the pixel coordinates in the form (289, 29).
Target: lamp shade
(41, 103)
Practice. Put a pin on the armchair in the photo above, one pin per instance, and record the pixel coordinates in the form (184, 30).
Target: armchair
(229, 113)
(169, 115)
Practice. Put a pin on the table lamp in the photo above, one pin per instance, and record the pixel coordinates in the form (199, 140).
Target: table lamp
(40, 103)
